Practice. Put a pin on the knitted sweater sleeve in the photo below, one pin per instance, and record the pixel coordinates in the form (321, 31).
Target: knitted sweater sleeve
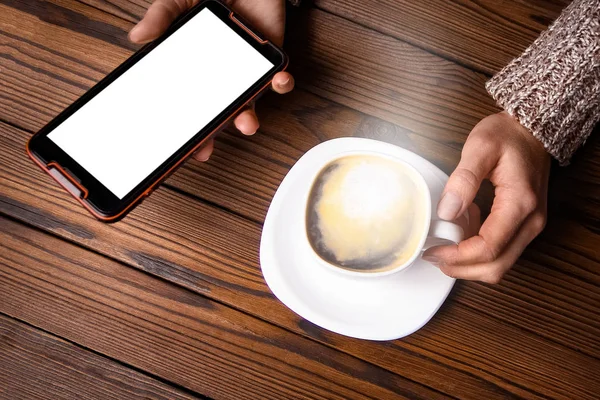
(553, 88)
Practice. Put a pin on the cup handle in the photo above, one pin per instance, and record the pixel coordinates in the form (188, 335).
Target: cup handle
(443, 233)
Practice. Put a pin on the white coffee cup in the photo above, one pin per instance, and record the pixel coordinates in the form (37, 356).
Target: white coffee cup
(410, 190)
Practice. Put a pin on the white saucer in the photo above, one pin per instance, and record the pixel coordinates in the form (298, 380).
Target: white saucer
(375, 308)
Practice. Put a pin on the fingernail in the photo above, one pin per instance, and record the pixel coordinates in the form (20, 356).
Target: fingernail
(449, 206)
(284, 82)
(431, 259)
(204, 159)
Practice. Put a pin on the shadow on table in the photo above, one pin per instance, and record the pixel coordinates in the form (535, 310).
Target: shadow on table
(575, 190)
(298, 29)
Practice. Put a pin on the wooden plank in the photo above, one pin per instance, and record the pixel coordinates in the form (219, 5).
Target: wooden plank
(560, 319)
(389, 79)
(173, 333)
(289, 127)
(483, 35)
(292, 126)
(131, 11)
(38, 365)
(34, 50)
(218, 263)
(215, 253)
(325, 127)
(305, 119)
(41, 79)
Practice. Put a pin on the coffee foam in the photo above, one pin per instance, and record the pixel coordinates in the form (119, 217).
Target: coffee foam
(366, 212)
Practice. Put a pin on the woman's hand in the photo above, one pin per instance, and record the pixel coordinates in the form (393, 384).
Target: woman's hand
(268, 16)
(507, 154)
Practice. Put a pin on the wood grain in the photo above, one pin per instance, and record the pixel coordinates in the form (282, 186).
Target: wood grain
(483, 35)
(128, 10)
(215, 253)
(38, 365)
(387, 78)
(553, 296)
(305, 119)
(36, 73)
(174, 333)
(289, 127)
(209, 251)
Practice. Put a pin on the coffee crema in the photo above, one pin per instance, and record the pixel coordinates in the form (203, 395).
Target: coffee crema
(366, 213)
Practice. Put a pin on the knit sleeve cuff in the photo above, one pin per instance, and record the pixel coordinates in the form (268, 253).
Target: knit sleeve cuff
(553, 88)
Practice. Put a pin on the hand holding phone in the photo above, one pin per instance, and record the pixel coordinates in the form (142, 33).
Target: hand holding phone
(113, 146)
(268, 16)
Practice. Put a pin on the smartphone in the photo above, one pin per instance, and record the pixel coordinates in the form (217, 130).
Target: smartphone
(113, 146)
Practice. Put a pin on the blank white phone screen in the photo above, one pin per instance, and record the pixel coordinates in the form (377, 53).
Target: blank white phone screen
(135, 124)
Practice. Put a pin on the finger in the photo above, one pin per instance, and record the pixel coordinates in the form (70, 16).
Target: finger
(157, 19)
(496, 233)
(509, 212)
(436, 255)
(203, 154)
(283, 82)
(269, 18)
(247, 122)
(475, 164)
(494, 271)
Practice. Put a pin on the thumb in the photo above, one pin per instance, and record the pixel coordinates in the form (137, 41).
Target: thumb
(465, 181)
(157, 19)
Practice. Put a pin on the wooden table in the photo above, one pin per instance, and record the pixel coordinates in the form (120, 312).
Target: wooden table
(170, 303)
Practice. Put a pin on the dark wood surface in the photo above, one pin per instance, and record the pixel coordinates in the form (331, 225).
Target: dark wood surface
(175, 292)
(37, 365)
(171, 332)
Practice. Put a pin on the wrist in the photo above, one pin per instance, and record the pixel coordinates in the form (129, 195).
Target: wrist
(524, 135)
